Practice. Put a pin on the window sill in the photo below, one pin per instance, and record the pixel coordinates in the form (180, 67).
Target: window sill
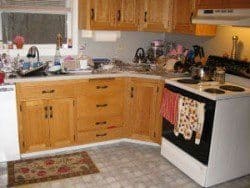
(44, 50)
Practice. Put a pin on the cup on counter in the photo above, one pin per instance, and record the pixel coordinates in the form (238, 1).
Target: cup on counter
(2, 76)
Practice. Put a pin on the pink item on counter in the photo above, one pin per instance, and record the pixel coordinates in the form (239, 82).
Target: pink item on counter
(169, 106)
(68, 58)
(179, 49)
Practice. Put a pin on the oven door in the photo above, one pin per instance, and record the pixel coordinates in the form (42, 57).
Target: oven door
(201, 151)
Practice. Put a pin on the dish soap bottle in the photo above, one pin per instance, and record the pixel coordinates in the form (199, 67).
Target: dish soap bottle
(57, 57)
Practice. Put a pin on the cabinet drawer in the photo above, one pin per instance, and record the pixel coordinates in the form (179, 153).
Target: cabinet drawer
(27, 92)
(100, 105)
(104, 87)
(98, 122)
(99, 135)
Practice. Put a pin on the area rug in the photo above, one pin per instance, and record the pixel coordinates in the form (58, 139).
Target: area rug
(50, 168)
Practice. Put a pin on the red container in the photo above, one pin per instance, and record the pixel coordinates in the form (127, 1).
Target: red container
(2, 75)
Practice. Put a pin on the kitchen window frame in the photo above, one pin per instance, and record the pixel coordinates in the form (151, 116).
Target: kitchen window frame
(49, 49)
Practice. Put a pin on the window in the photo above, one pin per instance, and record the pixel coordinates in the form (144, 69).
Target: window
(39, 21)
(35, 28)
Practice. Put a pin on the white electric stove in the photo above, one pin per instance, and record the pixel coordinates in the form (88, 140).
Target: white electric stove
(228, 150)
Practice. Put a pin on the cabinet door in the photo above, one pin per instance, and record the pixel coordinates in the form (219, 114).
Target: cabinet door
(208, 4)
(143, 109)
(183, 11)
(100, 17)
(153, 15)
(126, 14)
(61, 114)
(236, 3)
(182, 18)
(34, 126)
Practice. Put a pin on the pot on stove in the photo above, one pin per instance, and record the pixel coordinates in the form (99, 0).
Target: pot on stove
(200, 73)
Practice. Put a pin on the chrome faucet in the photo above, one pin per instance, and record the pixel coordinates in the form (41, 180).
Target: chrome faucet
(33, 52)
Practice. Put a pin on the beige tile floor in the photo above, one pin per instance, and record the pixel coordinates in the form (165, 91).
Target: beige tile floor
(128, 165)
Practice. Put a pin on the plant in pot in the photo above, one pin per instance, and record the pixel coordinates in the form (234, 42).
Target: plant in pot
(19, 41)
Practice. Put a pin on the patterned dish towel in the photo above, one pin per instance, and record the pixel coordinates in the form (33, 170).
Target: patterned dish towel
(191, 116)
(169, 106)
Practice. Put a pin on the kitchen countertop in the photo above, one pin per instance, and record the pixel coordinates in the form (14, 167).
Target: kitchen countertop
(168, 78)
(73, 76)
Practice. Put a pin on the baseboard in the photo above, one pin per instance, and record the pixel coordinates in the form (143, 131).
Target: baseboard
(72, 148)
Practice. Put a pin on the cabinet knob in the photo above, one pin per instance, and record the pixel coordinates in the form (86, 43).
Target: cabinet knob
(101, 123)
(145, 16)
(101, 105)
(132, 92)
(101, 135)
(48, 91)
(119, 15)
(92, 14)
(46, 112)
(51, 112)
(101, 87)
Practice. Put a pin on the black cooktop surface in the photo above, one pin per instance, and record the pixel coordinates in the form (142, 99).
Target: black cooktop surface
(214, 91)
(188, 81)
(232, 88)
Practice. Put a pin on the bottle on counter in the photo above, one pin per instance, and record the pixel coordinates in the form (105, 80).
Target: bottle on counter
(58, 57)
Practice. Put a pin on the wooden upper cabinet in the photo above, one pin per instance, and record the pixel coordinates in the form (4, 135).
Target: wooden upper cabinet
(35, 127)
(221, 4)
(208, 4)
(183, 11)
(155, 15)
(61, 112)
(236, 3)
(125, 11)
(108, 14)
(100, 14)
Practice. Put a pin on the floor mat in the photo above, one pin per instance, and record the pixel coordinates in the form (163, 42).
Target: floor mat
(50, 168)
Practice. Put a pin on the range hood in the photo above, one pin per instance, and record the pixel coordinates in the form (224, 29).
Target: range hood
(232, 17)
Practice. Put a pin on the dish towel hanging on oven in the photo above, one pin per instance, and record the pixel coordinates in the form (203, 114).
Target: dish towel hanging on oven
(169, 106)
(191, 114)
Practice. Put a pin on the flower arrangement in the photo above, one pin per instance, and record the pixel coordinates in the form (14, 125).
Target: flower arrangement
(19, 41)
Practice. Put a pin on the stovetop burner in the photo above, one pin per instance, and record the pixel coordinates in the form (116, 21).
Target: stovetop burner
(232, 88)
(214, 90)
(188, 81)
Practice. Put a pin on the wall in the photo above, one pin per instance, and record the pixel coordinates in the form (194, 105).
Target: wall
(124, 48)
(222, 42)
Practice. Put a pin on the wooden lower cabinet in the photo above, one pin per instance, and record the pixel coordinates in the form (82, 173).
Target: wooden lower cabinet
(47, 124)
(35, 126)
(144, 120)
(96, 110)
(61, 122)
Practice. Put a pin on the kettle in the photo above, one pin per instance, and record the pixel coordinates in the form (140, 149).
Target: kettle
(140, 56)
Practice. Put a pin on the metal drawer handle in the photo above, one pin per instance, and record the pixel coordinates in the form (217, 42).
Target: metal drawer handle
(51, 112)
(92, 14)
(46, 112)
(100, 135)
(48, 91)
(101, 105)
(119, 15)
(101, 123)
(101, 87)
(132, 92)
(145, 16)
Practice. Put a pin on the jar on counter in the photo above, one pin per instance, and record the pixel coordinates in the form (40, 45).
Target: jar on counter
(220, 76)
